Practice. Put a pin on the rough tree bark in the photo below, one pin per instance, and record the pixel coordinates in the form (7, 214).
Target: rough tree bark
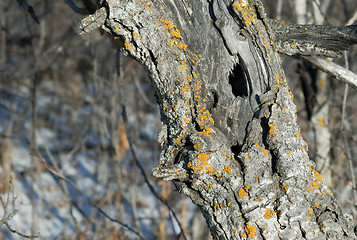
(231, 141)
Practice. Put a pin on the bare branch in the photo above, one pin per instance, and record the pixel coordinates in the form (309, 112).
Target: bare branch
(77, 9)
(312, 40)
(6, 218)
(333, 69)
(29, 9)
(52, 170)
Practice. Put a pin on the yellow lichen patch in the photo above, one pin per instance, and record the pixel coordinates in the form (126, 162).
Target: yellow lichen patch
(318, 176)
(203, 158)
(265, 151)
(247, 187)
(209, 186)
(134, 33)
(249, 230)
(269, 214)
(217, 206)
(116, 30)
(321, 83)
(316, 185)
(309, 215)
(180, 45)
(206, 132)
(229, 203)
(298, 135)
(321, 121)
(179, 138)
(310, 190)
(176, 33)
(211, 170)
(272, 129)
(242, 193)
(316, 204)
(259, 199)
(227, 169)
(243, 7)
(198, 145)
(284, 186)
(127, 45)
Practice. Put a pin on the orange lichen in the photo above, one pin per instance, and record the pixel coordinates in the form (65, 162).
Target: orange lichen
(203, 158)
(269, 214)
(285, 187)
(197, 145)
(318, 176)
(206, 132)
(298, 135)
(211, 170)
(265, 151)
(127, 45)
(272, 129)
(316, 185)
(242, 193)
(217, 206)
(247, 12)
(321, 121)
(250, 230)
(309, 215)
(227, 169)
(209, 186)
(179, 138)
(321, 83)
(259, 199)
(316, 204)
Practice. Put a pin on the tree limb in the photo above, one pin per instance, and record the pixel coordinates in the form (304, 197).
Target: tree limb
(333, 69)
(312, 40)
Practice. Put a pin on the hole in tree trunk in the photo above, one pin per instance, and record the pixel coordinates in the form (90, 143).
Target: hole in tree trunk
(236, 150)
(238, 82)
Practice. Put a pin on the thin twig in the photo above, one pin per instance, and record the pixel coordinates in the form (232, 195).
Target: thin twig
(20, 233)
(136, 160)
(6, 218)
(348, 152)
(89, 200)
(77, 9)
(29, 9)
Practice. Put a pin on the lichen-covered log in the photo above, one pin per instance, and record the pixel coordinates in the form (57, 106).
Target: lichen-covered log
(230, 138)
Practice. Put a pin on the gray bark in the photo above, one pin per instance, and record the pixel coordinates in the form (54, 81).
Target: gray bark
(231, 141)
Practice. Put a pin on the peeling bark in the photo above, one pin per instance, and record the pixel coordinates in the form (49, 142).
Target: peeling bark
(231, 141)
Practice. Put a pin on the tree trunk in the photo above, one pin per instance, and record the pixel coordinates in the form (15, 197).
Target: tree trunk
(231, 141)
